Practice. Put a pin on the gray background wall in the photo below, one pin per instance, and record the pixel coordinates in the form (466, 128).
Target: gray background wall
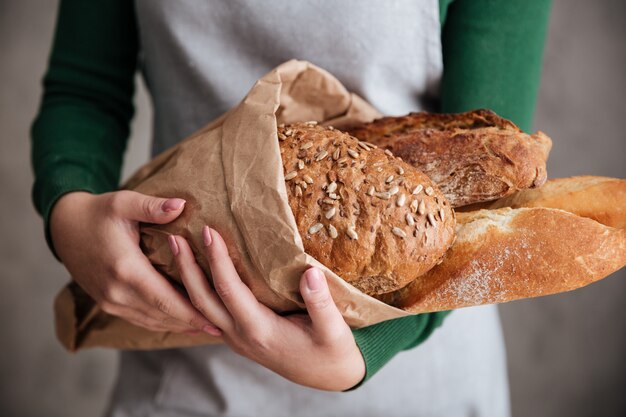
(567, 353)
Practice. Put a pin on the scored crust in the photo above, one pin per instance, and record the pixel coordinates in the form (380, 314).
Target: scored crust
(376, 221)
(602, 199)
(473, 157)
(508, 254)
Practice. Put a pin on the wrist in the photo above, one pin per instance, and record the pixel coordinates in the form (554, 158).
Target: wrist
(62, 213)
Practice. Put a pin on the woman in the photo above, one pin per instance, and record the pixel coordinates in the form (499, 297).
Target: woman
(199, 59)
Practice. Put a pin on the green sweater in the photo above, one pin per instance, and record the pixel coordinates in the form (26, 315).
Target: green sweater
(492, 52)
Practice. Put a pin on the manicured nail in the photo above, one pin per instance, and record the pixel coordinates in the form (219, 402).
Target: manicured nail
(313, 279)
(173, 204)
(206, 236)
(173, 245)
(212, 330)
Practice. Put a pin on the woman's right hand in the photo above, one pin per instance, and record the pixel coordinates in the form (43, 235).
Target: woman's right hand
(97, 239)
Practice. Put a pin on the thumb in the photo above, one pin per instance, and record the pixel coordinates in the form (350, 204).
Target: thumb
(139, 207)
(319, 302)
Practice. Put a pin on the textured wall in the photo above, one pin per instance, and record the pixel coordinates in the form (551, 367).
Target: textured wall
(566, 352)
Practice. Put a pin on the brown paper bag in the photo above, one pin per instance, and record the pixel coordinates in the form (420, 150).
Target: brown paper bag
(231, 175)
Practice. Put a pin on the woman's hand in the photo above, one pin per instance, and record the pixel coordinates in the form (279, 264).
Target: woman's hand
(97, 238)
(316, 350)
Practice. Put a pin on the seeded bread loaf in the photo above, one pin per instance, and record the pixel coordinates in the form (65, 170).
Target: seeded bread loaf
(600, 198)
(472, 157)
(508, 254)
(376, 221)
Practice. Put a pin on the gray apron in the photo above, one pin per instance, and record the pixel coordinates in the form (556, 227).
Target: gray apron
(199, 59)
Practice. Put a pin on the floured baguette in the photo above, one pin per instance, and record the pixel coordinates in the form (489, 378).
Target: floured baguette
(374, 220)
(473, 157)
(507, 254)
(600, 198)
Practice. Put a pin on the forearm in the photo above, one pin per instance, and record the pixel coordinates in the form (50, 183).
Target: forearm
(80, 132)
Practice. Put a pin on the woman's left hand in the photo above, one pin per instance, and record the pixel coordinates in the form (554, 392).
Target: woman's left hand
(315, 349)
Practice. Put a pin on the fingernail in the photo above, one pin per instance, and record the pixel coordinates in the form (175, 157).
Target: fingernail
(173, 204)
(173, 245)
(206, 235)
(313, 279)
(212, 330)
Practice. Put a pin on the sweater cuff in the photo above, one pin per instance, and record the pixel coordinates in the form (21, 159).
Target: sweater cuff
(379, 343)
(51, 187)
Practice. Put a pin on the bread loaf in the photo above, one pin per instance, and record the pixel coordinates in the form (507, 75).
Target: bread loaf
(472, 157)
(507, 254)
(376, 221)
(602, 199)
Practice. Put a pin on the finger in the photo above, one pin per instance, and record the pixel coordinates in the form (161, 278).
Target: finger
(161, 296)
(138, 318)
(325, 317)
(139, 207)
(236, 296)
(202, 296)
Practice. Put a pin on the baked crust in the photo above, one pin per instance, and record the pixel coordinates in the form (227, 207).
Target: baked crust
(473, 157)
(376, 221)
(508, 254)
(602, 199)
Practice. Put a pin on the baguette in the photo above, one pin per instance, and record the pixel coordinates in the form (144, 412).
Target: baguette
(508, 254)
(376, 221)
(473, 157)
(602, 199)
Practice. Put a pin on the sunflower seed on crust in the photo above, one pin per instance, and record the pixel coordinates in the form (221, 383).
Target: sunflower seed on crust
(315, 228)
(288, 132)
(441, 214)
(421, 209)
(307, 179)
(323, 154)
(389, 179)
(353, 153)
(394, 190)
(281, 136)
(388, 152)
(400, 170)
(400, 200)
(431, 219)
(306, 146)
(371, 190)
(291, 175)
(300, 164)
(352, 233)
(417, 189)
(330, 213)
(384, 195)
(409, 219)
(331, 187)
(413, 206)
(328, 201)
(332, 232)
(429, 191)
(311, 123)
(398, 232)
(337, 154)
(364, 146)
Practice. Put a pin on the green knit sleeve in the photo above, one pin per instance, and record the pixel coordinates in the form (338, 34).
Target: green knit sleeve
(80, 132)
(492, 53)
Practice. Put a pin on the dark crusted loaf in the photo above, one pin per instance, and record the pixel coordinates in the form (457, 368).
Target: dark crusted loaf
(472, 157)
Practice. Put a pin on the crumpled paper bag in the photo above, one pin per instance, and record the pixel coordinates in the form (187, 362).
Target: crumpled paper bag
(231, 174)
